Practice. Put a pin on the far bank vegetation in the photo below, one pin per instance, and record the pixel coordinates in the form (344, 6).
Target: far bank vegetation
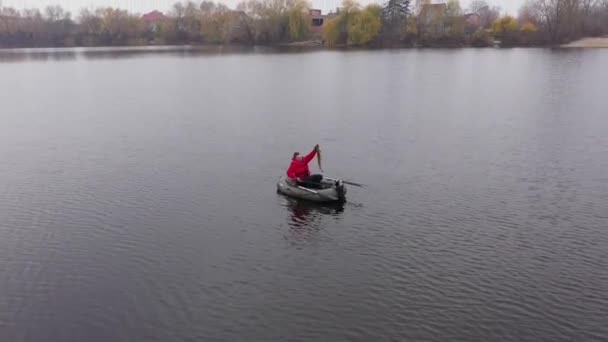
(284, 22)
(399, 23)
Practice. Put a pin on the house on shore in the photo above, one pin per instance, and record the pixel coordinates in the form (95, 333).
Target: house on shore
(10, 23)
(472, 23)
(317, 20)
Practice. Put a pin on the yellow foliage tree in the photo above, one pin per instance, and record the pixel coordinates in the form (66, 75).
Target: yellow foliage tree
(118, 26)
(298, 22)
(504, 25)
(331, 31)
(353, 26)
(364, 25)
(528, 33)
(349, 7)
(215, 23)
(529, 27)
(505, 29)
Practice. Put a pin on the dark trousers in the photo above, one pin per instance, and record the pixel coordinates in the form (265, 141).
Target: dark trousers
(312, 181)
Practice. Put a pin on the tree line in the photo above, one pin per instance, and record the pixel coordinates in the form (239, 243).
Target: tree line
(561, 21)
(396, 22)
(539, 22)
(251, 22)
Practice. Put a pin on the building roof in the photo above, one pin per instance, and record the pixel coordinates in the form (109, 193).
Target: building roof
(153, 16)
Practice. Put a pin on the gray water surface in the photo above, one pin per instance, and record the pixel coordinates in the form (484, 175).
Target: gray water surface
(137, 196)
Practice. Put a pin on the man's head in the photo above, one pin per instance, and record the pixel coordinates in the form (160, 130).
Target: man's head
(296, 156)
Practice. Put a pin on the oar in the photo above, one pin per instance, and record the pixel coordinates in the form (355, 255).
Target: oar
(353, 183)
(345, 182)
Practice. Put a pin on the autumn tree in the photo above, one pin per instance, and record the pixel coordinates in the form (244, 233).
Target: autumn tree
(56, 13)
(331, 32)
(9, 26)
(453, 8)
(119, 27)
(353, 26)
(481, 38)
(167, 32)
(477, 5)
(364, 25)
(89, 30)
(563, 20)
(487, 14)
(270, 19)
(527, 14)
(59, 26)
(214, 22)
(505, 29)
(36, 26)
(187, 19)
(527, 34)
(298, 20)
(411, 30)
(454, 22)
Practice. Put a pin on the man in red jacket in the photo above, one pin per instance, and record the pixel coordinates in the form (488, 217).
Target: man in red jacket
(298, 169)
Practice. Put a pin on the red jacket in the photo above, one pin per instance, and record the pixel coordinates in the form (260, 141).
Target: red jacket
(299, 167)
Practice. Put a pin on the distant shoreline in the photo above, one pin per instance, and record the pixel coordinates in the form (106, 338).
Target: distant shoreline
(302, 45)
(589, 42)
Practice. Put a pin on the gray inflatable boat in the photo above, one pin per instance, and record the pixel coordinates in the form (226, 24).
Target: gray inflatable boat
(331, 190)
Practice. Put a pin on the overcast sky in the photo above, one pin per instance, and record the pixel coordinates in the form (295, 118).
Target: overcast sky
(143, 6)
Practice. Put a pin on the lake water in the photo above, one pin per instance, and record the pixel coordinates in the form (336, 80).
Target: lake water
(138, 203)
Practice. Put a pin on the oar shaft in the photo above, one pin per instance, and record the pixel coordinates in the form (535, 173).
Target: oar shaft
(343, 181)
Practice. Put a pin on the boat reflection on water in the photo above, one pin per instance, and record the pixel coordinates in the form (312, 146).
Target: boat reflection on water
(306, 219)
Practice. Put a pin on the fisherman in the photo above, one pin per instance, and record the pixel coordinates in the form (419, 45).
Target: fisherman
(298, 169)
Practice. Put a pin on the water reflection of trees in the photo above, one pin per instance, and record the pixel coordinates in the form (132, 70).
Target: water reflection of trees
(62, 54)
(37, 55)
